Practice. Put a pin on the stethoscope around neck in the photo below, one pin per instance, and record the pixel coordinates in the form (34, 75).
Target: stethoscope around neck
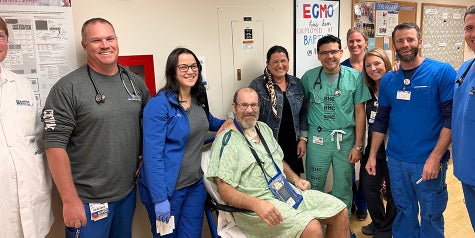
(319, 81)
(459, 81)
(100, 98)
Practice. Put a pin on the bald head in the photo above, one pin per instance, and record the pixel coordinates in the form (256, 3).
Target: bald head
(246, 107)
(246, 91)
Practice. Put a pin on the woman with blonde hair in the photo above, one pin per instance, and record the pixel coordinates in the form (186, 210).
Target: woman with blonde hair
(357, 42)
(376, 63)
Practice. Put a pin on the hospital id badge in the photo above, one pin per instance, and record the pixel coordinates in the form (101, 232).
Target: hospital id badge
(404, 95)
(372, 116)
(317, 140)
(282, 190)
(98, 210)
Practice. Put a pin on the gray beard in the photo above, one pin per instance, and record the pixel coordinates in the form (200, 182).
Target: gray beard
(245, 125)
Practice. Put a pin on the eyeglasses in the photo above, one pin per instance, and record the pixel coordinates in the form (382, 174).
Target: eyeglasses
(244, 106)
(331, 52)
(3, 37)
(184, 67)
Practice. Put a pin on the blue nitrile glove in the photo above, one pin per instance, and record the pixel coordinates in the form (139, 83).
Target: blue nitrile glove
(162, 211)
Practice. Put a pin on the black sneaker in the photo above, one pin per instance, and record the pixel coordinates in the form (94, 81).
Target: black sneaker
(368, 230)
(361, 215)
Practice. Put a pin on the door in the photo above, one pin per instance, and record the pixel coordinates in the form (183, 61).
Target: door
(241, 45)
(248, 52)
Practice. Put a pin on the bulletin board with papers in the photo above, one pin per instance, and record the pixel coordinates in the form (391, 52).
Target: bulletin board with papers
(378, 19)
(442, 33)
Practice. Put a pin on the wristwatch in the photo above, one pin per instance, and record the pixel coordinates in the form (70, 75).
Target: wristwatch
(358, 148)
(304, 139)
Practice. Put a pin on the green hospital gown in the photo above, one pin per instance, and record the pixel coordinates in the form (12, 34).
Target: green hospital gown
(238, 167)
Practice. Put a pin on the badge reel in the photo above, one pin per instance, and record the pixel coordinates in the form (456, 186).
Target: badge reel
(283, 191)
(406, 83)
(404, 95)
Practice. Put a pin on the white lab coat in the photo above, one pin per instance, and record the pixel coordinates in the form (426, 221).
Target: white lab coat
(25, 184)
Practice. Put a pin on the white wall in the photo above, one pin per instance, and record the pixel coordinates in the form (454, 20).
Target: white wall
(157, 27)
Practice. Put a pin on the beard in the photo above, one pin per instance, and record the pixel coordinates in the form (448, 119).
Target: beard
(247, 123)
(409, 58)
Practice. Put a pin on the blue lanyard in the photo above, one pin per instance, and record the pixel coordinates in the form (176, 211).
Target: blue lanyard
(253, 151)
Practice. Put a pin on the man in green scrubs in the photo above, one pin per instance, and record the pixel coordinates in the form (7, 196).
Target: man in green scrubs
(336, 116)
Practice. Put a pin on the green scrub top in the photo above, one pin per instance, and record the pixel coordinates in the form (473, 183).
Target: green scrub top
(327, 110)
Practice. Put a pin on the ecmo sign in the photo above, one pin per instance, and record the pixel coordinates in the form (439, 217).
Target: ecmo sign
(317, 10)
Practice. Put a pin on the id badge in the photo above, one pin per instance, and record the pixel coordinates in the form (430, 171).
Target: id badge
(372, 116)
(404, 95)
(284, 192)
(98, 210)
(317, 140)
(134, 98)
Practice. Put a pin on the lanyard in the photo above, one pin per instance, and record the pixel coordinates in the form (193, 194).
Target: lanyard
(254, 153)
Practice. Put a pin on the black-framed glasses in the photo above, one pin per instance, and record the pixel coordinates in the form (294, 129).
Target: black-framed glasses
(184, 67)
(244, 106)
(331, 52)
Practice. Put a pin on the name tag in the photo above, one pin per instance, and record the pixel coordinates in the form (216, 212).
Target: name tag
(372, 116)
(317, 140)
(98, 210)
(404, 95)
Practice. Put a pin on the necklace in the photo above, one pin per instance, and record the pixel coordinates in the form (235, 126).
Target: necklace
(185, 103)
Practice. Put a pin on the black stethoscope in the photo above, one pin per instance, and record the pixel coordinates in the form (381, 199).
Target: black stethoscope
(319, 81)
(101, 97)
(462, 77)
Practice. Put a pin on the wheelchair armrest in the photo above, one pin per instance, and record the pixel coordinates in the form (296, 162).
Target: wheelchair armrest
(214, 205)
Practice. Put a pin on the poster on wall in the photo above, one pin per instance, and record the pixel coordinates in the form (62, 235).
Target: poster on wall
(41, 44)
(313, 20)
(386, 17)
(364, 17)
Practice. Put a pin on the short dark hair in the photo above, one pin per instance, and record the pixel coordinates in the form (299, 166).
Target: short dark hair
(276, 49)
(3, 26)
(470, 10)
(406, 25)
(92, 21)
(328, 39)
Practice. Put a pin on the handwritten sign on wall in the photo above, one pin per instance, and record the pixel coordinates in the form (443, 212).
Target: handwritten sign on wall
(313, 20)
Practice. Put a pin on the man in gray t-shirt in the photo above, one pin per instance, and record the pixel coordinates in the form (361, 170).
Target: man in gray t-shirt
(92, 120)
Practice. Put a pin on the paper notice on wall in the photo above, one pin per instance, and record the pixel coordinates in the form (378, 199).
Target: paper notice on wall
(386, 18)
(42, 45)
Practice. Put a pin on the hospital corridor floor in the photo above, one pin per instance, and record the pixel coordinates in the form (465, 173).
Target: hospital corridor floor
(457, 222)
